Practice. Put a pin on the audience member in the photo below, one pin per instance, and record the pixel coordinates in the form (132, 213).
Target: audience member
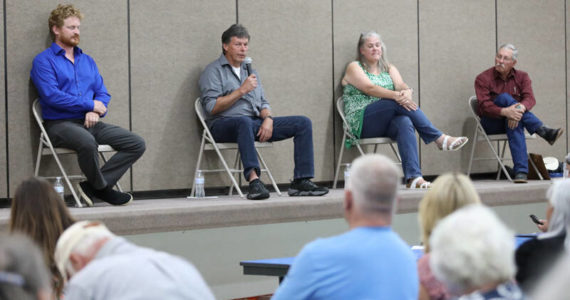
(370, 261)
(74, 98)
(238, 112)
(505, 99)
(554, 285)
(535, 257)
(40, 213)
(101, 265)
(449, 192)
(472, 252)
(23, 275)
(378, 103)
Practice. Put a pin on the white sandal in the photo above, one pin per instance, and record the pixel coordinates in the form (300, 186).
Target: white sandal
(456, 145)
(414, 184)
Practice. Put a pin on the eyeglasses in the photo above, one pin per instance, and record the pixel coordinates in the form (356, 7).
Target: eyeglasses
(505, 58)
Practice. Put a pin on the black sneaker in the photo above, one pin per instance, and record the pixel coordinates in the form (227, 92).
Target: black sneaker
(113, 197)
(305, 187)
(87, 192)
(550, 134)
(520, 178)
(257, 190)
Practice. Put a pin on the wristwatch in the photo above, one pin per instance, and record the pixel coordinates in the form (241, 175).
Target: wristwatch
(271, 117)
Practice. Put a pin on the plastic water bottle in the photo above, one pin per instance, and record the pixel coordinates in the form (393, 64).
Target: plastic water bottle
(199, 185)
(58, 187)
(346, 174)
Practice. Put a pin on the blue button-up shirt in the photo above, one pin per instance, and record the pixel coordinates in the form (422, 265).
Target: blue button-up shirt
(67, 89)
(218, 80)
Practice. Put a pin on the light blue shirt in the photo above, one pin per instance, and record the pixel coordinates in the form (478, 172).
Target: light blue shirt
(218, 80)
(124, 271)
(363, 263)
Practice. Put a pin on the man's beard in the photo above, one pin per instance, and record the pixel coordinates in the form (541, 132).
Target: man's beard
(71, 42)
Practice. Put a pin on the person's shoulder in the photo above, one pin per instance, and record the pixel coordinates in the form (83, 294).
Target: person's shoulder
(45, 54)
(353, 65)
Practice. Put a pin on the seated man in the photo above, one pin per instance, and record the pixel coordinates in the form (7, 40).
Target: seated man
(505, 99)
(73, 99)
(101, 265)
(368, 262)
(237, 111)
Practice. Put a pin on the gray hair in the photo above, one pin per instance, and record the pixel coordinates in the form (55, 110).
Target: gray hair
(373, 182)
(512, 48)
(559, 197)
(472, 248)
(23, 273)
(383, 63)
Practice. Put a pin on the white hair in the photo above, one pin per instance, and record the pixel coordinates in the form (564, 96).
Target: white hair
(471, 248)
(512, 48)
(559, 197)
(373, 182)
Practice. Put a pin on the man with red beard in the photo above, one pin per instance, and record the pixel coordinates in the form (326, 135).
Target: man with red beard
(505, 98)
(74, 98)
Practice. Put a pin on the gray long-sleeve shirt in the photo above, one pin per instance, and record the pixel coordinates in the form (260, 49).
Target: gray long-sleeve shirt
(219, 80)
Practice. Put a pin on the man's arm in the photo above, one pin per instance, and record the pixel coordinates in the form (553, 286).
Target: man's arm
(527, 95)
(101, 97)
(301, 280)
(486, 105)
(265, 131)
(225, 102)
(44, 77)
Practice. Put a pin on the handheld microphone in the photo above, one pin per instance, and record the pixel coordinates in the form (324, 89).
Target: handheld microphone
(248, 62)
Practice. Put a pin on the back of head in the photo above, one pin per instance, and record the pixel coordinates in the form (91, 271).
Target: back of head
(39, 212)
(78, 238)
(60, 13)
(373, 183)
(559, 196)
(23, 274)
(448, 193)
(472, 248)
(236, 30)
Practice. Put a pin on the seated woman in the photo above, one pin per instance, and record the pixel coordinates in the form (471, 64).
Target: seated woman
(40, 213)
(535, 257)
(378, 103)
(472, 254)
(449, 192)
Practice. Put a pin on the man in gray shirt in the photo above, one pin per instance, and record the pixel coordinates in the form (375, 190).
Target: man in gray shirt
(100, 265)
(238, 112)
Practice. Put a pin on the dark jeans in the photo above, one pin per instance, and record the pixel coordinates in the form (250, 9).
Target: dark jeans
(243, 130)
(516, 137)
(387, 118)
(73, 135)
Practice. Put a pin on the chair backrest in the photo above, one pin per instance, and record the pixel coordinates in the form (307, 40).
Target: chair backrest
(340, 109)
(202, 117)
(474, 105)
(37, 112)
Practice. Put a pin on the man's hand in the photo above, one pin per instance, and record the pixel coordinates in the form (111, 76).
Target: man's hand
(512, 124)
(544, 226)
(266, 130)
(512, 112)
(99, 107)
(91, 118)
(249, 84)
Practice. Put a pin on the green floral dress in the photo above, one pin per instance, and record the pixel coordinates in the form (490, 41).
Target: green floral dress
(355, 102)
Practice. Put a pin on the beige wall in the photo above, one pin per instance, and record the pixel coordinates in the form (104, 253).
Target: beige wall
(151, 54)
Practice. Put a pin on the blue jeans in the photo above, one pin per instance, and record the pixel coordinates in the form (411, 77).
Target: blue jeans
(517, 140)
(387, 118)
(243, 131)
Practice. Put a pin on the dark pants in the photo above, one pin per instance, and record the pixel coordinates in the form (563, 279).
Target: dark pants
(243, 131)
(73, 135)
(516, 136)
(387, 118)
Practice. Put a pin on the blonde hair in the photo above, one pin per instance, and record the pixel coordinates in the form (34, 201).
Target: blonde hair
(448, 193)
(58, 16)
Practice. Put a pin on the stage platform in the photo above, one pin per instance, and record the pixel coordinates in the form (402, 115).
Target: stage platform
(177, 214)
